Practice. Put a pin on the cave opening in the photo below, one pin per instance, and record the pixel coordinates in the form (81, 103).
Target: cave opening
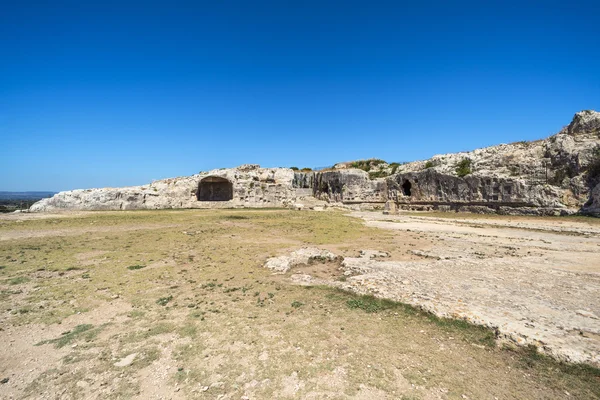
(214, 188)
(406, 186)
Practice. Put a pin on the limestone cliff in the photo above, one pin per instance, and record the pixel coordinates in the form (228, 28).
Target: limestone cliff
(556, 173)
(250, 186)
(550, 176)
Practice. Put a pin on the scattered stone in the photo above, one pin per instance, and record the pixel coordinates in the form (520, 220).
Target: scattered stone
(126, 361)
(302, 279)
(373, 254)
(283, 264)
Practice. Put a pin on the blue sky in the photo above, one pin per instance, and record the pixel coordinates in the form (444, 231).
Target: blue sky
(111, 93)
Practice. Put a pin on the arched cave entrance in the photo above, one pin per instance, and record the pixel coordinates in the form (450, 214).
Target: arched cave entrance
(214, 188)
(406, 187)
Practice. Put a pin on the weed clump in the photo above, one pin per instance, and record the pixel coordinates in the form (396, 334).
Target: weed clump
(163, 301)
(370, 304)
(87, 331)
(134, 267)
(18, 280)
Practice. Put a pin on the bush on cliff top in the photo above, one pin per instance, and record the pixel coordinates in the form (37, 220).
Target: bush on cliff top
(366, 165)
(463, 168)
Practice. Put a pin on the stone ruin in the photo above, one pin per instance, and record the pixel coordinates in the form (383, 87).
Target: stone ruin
(544, 177)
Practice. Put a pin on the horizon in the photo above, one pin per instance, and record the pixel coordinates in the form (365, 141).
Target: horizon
(111, 94)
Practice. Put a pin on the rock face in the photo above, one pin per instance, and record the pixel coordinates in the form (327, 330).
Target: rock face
(430, 189)
(244, 186)
(586, 121)
(550, 176)
(592, 207)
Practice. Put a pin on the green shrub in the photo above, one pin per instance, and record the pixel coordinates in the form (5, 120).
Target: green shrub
(294, 168)
(306, 169)
(394, 166)
(361, 164)
(366, 165)
(133, 267)
(429, 164)
(463, 168)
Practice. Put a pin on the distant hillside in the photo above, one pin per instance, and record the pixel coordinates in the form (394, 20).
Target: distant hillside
(25, 195)
(11, 201)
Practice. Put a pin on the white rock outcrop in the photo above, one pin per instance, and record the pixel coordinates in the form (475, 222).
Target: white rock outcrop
(252, 186)
(283, 264)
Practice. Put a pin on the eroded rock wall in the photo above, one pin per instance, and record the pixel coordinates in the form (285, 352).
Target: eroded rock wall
(592, 207)
(443, 191)
(252, 187)
(349, 186)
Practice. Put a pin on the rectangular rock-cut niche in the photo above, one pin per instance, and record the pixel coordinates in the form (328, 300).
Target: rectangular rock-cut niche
(215, 188)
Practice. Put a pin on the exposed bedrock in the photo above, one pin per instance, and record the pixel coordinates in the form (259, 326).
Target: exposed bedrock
(430, 187)
(349, 186)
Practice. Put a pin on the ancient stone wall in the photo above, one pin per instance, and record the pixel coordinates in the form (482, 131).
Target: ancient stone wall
(349, 186)
(430, 189)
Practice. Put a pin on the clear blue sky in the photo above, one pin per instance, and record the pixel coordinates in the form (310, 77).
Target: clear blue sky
(120, 93)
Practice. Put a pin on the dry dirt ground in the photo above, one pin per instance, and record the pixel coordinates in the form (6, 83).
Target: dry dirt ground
(176, 305)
